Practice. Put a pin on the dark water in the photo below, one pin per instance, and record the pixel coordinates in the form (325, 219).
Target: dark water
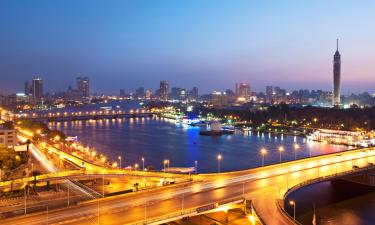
(338, 202)
(157, 139)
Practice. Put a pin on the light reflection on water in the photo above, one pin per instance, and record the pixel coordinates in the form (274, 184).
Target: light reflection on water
(157, 139)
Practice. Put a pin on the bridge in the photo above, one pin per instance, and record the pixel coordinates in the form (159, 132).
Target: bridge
(264, 186)
(85, 115)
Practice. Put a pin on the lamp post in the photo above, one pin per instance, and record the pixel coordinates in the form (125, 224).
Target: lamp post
(136, 166)
(263, 151)
(219, 157)
(143, 163)
(103, 183)
(25, 196)
(293, 203)
(296, 147)
(196, 166)
(119, 158)
(281, 149)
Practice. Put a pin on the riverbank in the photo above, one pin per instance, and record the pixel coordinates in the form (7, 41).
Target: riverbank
(337, 202)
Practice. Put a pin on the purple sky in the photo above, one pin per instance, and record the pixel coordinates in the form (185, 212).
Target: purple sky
(209, 44)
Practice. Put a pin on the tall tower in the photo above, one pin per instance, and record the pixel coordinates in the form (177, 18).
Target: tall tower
(336, 76)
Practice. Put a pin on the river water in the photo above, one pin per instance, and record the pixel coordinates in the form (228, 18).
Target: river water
(157, 139)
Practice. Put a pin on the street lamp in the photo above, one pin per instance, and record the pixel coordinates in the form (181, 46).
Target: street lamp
(196, 166)
(296, 147)
(219, 157)
(281, 149)
(293, 203)
(143, 163)
(165, 163)
(136, 166)
(119, 158)
(263, 151)
(25, 197)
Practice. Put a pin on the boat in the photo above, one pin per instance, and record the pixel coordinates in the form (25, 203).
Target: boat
(217, 130)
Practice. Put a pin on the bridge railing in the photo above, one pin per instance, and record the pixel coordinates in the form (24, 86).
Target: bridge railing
(188, 212)
(280, 203)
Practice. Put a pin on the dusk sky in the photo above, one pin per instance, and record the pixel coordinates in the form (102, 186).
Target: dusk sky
(203, 43)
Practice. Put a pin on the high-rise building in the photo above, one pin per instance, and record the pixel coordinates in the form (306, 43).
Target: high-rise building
(140, 92)
(83, 85)
(28, 89)
(37, 88)
(336, 76)
(163, 91)
(243, 90)
(269, 94)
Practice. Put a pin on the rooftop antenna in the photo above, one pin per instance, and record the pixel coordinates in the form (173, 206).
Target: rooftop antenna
(337, 44)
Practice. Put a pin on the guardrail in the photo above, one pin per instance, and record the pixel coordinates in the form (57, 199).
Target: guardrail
(188, 212)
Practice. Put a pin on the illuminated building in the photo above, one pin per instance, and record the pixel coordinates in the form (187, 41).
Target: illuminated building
(243, 90)
(336, 77)
(37, 88)
(163, 91)
(219, 99)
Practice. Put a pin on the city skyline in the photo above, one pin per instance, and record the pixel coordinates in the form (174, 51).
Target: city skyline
(187, 44)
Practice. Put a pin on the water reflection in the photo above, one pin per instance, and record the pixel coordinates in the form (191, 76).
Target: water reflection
(157, 139)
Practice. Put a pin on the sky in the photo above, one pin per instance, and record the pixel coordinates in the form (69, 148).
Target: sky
(210, 44)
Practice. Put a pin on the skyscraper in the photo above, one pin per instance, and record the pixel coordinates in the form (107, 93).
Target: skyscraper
(37, 88)
(269, 94)
(336, 76)
(83, 85)
(28, 89)
(242, 90)
(163, 91)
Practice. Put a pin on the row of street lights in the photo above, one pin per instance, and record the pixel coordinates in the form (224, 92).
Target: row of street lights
(281, 149)
(135, 165)
(263, 152)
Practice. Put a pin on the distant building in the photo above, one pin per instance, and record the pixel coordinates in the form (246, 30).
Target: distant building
(163, 90)
(8, 137)
(336, 77)
(148, 94)
(122, 93)
(37, 88)
(140, 92)
(27, 88)
(83, 85)
(219, 99)
(193, 94)
(243, 91)
(73, 95)
(269, 94)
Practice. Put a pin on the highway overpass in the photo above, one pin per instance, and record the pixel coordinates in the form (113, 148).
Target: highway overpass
(263, 186)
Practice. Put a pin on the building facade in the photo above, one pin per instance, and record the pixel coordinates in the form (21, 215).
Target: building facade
(8, 137)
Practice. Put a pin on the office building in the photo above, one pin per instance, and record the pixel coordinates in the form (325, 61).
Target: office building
(83, 85)
(37, 88)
